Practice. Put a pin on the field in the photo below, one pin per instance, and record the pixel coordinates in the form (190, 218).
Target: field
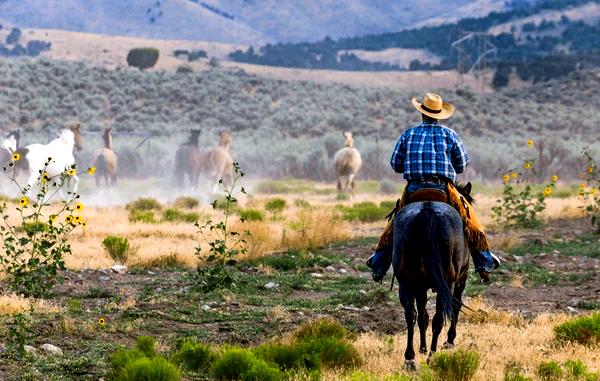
(306, 260)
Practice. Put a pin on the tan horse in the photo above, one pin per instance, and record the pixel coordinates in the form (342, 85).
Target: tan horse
(217, 163)
(106, 161)
(347, 164)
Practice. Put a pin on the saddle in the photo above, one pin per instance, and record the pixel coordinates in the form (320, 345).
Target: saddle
(428, 194)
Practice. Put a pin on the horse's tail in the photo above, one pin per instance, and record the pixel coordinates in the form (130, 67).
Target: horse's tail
(101, 164)
(432, 259)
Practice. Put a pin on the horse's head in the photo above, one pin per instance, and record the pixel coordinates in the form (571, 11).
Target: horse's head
(349, 139)
(78, 139)
(465, 191)
(11, 142)
(225, 138)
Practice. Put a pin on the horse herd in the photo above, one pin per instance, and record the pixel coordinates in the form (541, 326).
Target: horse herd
(191, 163)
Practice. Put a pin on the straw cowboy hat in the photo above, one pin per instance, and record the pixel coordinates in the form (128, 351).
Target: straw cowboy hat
(433, 106)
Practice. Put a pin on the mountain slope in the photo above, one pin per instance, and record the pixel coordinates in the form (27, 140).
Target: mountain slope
(160, 19)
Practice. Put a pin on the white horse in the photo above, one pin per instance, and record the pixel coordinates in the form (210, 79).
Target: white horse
(347, 162)
(60, 153)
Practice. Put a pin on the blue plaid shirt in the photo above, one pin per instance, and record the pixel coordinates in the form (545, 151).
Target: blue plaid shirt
(430, 149)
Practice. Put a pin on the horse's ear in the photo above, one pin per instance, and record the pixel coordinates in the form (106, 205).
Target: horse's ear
(468, 188)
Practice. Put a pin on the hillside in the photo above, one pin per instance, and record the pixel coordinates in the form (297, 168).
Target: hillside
(236, 21)
(289, 128)
(173, 19)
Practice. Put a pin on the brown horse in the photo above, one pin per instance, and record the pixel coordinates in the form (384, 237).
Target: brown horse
(106, 162)
(347, 163)
(187, 161)
(217, 163)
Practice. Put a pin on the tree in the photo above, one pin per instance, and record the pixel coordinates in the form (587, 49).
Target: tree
(142, 58)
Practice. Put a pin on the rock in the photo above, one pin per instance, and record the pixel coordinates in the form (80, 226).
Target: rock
(158, 289)
(362, 292)
(365, 308)
(555, 252)
(572, 310)
(271, 285)
(205, 307)
(151, 272)
(51, 349)
(342, 271)
(316, 275)
(330, 269)
(103, 278)
(29, 349)
(119, 269)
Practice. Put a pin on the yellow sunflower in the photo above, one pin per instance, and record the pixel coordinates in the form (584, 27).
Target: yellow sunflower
(590, 170)
(102, 321)
(547, 191)
(16, 156)
(582, 186)
(91, 171)
(530, 143)
(24, 201)
(71, 172)
(52, 218)
(527, 165)
(554, 178)
(69, 219)
(505, 178)
(79, 207)
(77, 219)
(514, 175)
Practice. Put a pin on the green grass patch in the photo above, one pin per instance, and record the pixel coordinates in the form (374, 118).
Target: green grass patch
(583, 330)
(186, 202)
(364, 211)
(176, 215)
(549, 371)
(368, 186)
(242, 364)
(285, 186)
(142, 363)
(144, 204)
(143, 216)
(117, 247)
(458, 365)
(251, 214)
(533, 275)
(583, 245)
(275, 205)
(194, 356)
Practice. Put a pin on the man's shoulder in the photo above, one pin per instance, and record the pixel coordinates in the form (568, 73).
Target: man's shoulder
(430, 127)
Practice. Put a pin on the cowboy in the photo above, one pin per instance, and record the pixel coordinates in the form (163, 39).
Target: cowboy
(430, 156)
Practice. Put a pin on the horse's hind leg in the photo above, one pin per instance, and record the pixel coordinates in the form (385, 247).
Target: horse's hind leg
(408, 301)
(436, 325)
(422, 320)
(455, 311)
(352, 185)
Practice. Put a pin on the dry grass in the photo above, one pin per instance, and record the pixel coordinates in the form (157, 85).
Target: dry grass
(497, 339)
(13, 304)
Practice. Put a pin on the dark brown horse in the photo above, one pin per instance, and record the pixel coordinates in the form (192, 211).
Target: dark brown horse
(430, 252)
(106, 161)
(188, 161)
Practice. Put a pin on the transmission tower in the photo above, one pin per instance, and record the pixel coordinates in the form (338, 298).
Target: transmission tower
(477, 63)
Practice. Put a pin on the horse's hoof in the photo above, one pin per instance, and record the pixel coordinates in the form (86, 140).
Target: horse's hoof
(448, 345)
(410, 365)
(423, 351)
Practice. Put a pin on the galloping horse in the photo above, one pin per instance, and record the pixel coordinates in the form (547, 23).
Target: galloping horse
(8, 146)
(347, 163)
(430, 251)
(217, 163)
(106, 161)
(187, 161)
(60, 150)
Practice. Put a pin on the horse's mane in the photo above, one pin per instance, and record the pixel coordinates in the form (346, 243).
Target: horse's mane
(466, 193)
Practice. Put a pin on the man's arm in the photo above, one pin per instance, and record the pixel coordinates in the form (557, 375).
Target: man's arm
(460, 156)
(399, 154)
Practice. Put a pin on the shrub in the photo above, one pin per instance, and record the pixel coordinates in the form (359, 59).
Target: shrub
(387, 205)
(459, 365)
(144, 204)
(144, 216)
(143, 58)
(301, 203)
(117, 247)
(193, 356)
(334, 353)
(364, 211)
(161, 262)
(242, 364)
(34, 247)
(275, 205)
(321, 329)
(285, 186)
(184, 69)
(155, 369)
(388, 187)
(251, 214)
(583, 330)
(172, 215)
(590, 190)
(289, 356)
(146, 344)
(186, 202)
(549, 371)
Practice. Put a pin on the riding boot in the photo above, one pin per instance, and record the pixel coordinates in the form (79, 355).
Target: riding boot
(485, 262)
